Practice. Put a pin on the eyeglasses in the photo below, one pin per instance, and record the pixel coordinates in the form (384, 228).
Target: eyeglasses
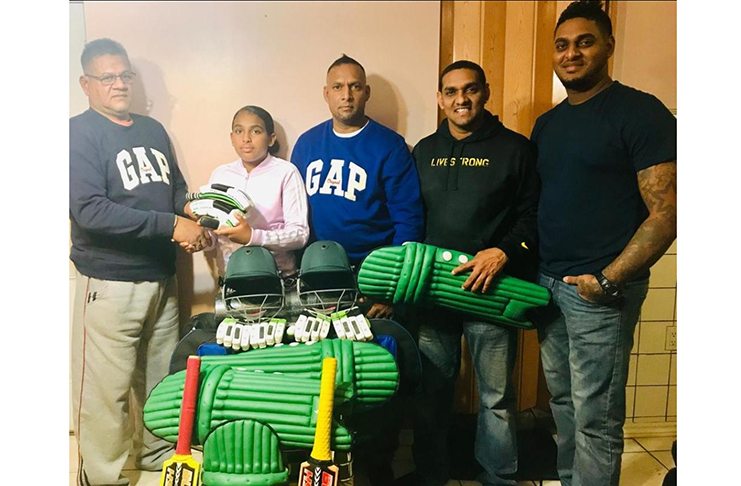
(108, 79)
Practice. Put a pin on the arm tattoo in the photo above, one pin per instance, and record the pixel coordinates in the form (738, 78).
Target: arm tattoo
(658, 187)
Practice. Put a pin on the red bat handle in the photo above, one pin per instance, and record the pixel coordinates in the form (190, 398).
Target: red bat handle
(188, 409)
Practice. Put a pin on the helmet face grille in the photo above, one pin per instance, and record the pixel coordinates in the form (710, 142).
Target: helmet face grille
(327, 301)
(253, 308)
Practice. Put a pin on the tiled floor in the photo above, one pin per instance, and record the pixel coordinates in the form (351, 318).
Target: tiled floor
(645, 463)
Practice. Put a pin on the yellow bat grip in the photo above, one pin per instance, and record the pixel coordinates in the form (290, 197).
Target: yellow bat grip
(320, 452)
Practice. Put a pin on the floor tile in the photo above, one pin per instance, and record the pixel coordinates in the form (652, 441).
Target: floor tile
(656, 443)
(632, 446)
(640, 468)
(665, 458)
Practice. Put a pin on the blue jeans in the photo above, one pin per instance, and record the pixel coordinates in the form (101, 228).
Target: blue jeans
(585, 349)
(493, 351)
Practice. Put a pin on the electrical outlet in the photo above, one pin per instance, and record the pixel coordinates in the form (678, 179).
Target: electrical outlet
(671, 338)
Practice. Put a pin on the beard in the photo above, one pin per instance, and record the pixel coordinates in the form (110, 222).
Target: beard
(580, 85)
(586, 81)
(353, 118)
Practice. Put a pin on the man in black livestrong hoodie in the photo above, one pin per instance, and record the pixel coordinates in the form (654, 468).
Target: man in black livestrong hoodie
(480, 191)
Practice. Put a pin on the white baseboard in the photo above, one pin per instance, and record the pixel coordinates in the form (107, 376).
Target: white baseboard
(650, 429)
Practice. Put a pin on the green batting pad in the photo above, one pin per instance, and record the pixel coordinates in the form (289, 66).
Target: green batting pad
(243, 452)
(420, 274)
(360, 366)
(279, 387)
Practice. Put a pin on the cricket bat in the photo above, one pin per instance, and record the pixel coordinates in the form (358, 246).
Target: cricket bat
(182, 469)
(319, 470)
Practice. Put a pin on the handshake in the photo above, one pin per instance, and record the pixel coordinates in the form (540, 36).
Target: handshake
(240, 336)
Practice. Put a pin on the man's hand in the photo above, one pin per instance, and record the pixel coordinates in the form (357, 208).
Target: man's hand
(484, 267)
(380, 311)
(242, 233)
(189, 235)
(588, 288)
(189, 212)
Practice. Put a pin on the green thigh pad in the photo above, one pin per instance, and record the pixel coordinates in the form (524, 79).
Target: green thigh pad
(420, 274)
(278, 387)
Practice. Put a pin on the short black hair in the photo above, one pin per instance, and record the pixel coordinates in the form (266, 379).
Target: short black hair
(101, 47)
(266, 119)
(590, 10)
(345, 59)
(463, 64)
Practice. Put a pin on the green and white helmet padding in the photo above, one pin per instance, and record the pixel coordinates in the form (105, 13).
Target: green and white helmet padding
(420, 274)
(278, 387)
(253, 289)
(326, 281)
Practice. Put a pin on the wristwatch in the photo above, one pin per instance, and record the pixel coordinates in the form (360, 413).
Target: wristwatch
(611, 289)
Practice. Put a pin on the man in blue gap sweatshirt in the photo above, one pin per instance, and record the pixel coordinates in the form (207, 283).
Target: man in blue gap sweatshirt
(364, 193)
(360, 177)
(480, 191)
(126, 206)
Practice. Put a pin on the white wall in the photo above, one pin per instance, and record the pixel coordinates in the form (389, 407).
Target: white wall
(77, 103)
(198, 62)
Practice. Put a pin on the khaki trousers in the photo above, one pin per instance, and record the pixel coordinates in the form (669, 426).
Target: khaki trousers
(123, 336)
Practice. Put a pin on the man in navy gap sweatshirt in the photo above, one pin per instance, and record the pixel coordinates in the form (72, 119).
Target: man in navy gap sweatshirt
(127, 202)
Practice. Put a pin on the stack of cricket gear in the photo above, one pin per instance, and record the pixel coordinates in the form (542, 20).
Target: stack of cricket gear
(252, 405)
(253, 296)
(420, 274)
(217, 205)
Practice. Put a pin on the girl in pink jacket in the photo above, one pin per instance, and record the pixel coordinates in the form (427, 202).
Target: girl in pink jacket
(279, 219)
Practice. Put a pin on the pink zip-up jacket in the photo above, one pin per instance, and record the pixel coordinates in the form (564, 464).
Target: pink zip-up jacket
(279, 220)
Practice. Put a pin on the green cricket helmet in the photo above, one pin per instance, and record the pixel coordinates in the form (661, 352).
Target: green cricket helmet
(253, 289)
(326, 282)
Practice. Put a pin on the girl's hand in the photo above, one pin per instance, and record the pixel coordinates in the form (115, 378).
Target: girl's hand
(242, 233)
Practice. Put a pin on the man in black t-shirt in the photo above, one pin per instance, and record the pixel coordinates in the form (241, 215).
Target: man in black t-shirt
(607, 213)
